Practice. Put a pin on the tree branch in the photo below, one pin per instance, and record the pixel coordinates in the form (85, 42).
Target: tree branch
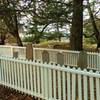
(44, 28)
(89, 35)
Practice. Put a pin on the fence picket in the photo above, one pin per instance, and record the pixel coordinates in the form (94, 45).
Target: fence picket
(31, 79)
(80, 87)
(4, 72)
(9, 65)
(97, 88)
(59, 84)
(24, 76)
(28, 78)
(73, 86)
(21, 76)
(64, 85)
(68, 87)
(85, 88)
(7, 71)
(91, 88)
(34, 76)
(54, 84)
(38, 80)
(18, 76)
(50, 83)
(12, 74)
(46, 82)
(42, 82)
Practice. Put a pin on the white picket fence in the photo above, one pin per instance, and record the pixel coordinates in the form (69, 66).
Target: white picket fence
(10, 50)
(68, 57)
(49, 82)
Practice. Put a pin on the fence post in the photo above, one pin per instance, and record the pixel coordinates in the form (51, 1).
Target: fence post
(82, 60)
(34, 54)
(0, 70)
(29, 51)
(98, 61)
(11, 48)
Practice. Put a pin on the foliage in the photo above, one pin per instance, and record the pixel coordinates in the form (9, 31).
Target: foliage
(42, 15)
(56, 13)
(88, 30)
(28, 39)
(46, 36)
(9, 16)
(91, 40)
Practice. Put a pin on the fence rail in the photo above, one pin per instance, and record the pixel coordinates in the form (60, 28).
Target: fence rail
(13, 51)
(66, 57)
(49, 82)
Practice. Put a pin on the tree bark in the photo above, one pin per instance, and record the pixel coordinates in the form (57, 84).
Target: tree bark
(76, 36)
(95, 29)
(19, 42)
(2, 39)
(18, 39)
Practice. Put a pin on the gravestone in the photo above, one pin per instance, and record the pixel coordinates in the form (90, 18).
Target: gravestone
(29, 52)
(45, 56)
(60, 58)
(82, 60)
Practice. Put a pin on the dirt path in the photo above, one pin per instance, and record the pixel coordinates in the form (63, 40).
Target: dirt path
(9, 94)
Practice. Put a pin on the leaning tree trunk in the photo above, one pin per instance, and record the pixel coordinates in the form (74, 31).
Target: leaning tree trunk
(17, 37)
(11, 21)
(19, 42)
(76, 36)
(95, 29)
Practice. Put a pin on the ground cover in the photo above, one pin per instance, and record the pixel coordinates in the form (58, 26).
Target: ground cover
(63, 45)
(9, 94)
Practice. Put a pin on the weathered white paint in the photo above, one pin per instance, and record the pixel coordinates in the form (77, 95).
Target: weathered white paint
(49, 82)
(70, 57)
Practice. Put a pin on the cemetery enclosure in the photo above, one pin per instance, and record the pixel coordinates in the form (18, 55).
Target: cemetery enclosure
(89, 60)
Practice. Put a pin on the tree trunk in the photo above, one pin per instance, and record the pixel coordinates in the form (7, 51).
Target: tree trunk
(16, 34)
(76, 37)
(18, 40)
(98, 42)
(95, 29)
(2, 39)
(59, 36)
